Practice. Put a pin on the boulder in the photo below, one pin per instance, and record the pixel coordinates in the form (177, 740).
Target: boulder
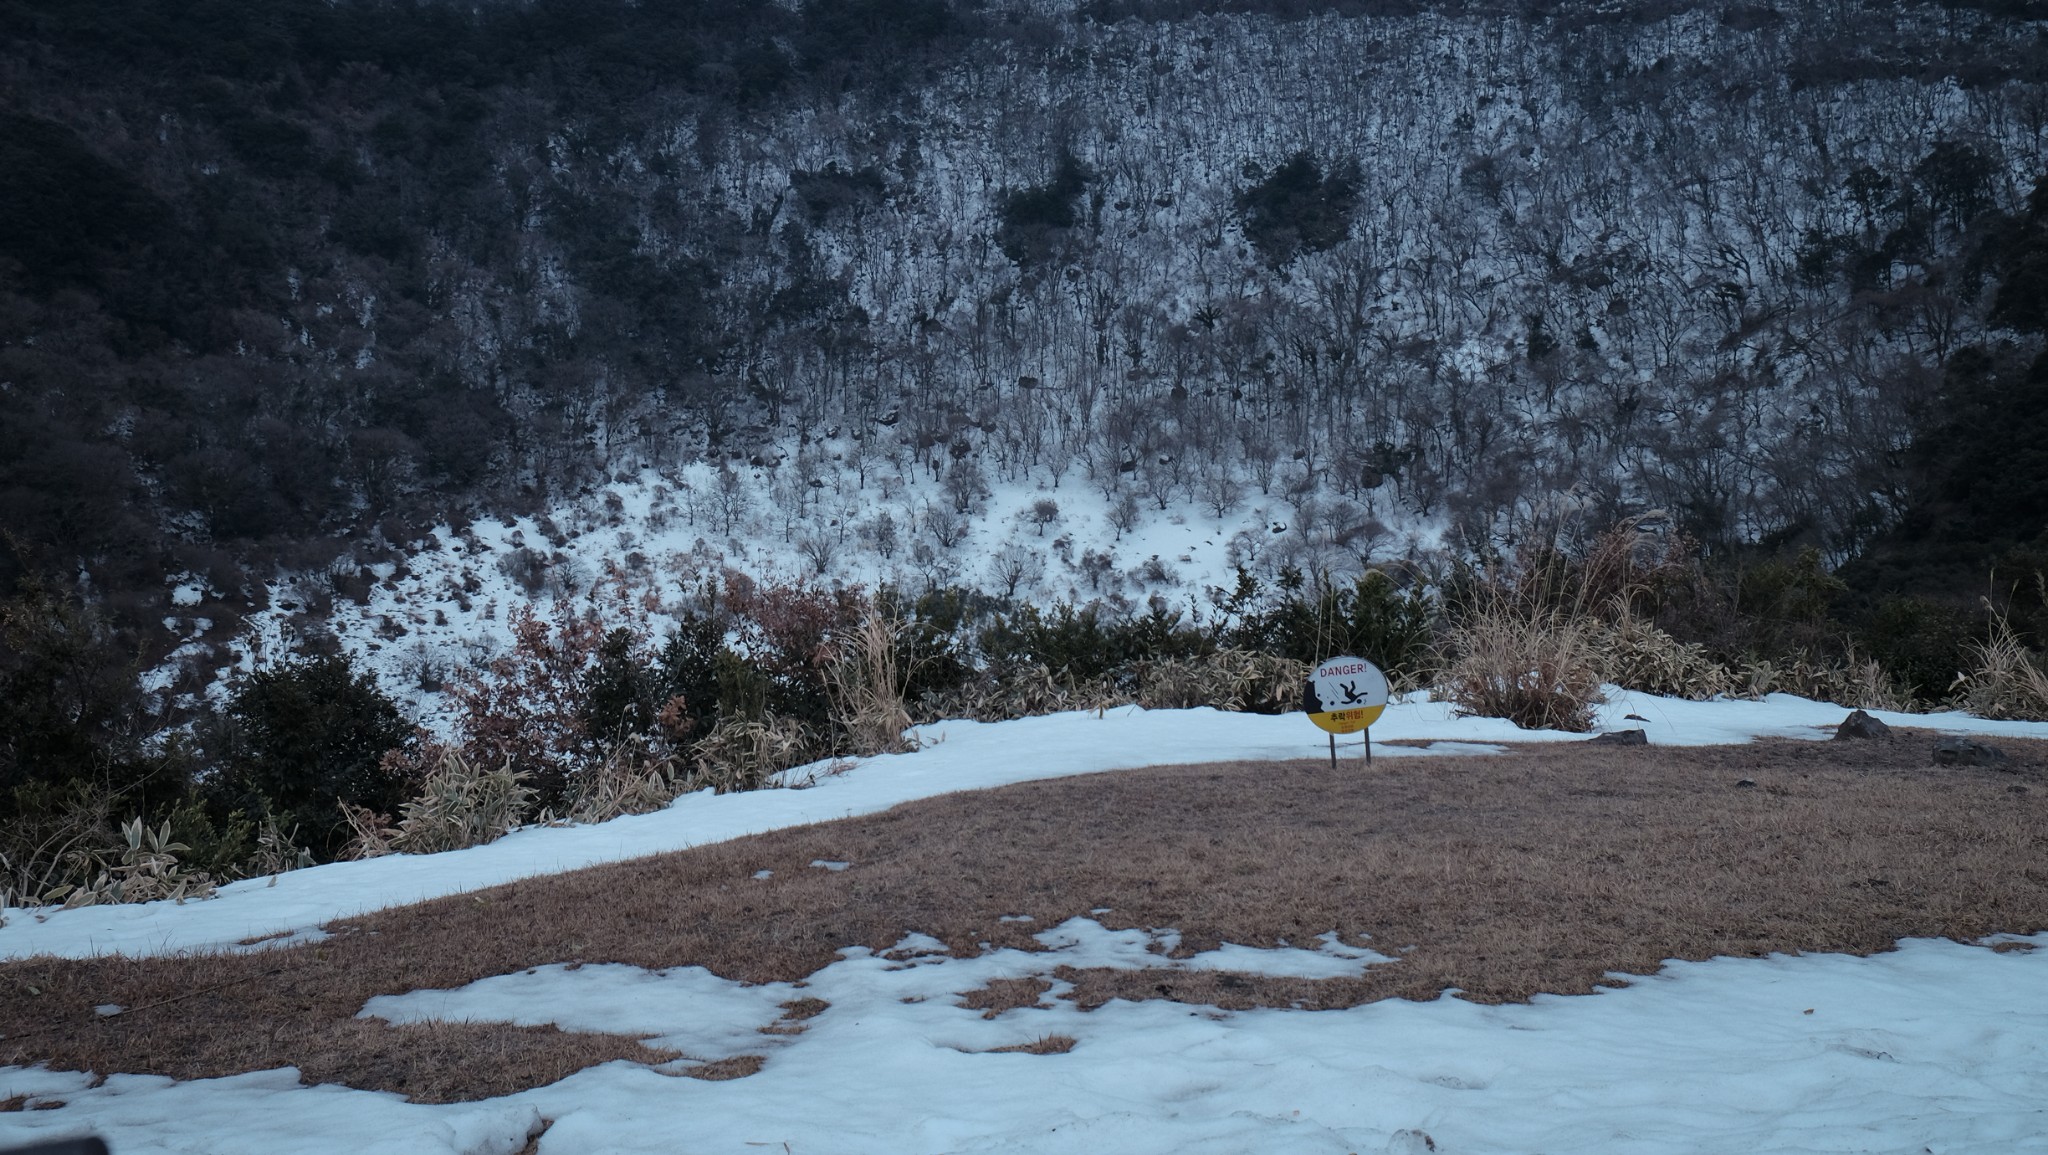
(1956, 750)
(1861, 725)
(1619, 738)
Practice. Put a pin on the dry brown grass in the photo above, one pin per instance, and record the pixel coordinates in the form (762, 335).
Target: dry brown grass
(1042, 1045)
(1001, 995)
(1537, 871)
(719, 1070)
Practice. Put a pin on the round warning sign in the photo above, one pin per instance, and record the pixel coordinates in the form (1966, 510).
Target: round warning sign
(1345, 695)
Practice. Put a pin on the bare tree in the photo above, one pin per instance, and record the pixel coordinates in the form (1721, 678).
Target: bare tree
(1097, 565)
(882, 533)
(1014, 565)
(730, 497)
(944, 525)
(818, 548)
(1042, 513)
(1159, 482)
(1123, 514)
(965, 485)
(1220, 489)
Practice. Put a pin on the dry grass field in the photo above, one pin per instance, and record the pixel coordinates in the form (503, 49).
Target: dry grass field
(1540, 870)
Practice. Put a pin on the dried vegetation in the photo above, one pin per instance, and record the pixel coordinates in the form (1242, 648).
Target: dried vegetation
(1542, 870)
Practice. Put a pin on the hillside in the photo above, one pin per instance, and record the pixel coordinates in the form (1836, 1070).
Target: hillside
(293, 283)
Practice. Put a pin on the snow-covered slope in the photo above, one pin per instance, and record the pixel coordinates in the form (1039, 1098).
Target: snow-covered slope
(639, 547)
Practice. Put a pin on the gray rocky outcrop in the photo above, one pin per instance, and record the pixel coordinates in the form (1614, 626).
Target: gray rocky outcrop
(1861, 725)
(1956, 750)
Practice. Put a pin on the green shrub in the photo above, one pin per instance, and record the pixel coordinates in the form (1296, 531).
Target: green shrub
(1075, 644)
(1299, 207)
(621, 692)
(303, 736)
(69, 707)
(1371, 617)
(934, 648)
(1924, 645)
(1788, 606)
(686, 677)
(1035, 222)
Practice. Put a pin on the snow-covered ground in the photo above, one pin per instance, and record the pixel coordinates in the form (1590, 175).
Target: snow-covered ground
(1936, 1046)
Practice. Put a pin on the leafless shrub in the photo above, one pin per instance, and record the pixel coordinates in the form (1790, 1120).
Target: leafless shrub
(1123, 514)
(1015, 565)
(819, 548)
(946, 528)
(1096, 566)
(526, 569)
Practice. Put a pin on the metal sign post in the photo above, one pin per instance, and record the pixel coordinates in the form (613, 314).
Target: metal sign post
(1345, 695)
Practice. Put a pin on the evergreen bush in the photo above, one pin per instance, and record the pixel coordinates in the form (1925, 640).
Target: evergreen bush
(302, 737)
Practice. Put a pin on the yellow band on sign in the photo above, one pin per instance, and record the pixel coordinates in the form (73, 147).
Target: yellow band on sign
(1348, 721)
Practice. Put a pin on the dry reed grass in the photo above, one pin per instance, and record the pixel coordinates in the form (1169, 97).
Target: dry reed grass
(1538, 669)
(1858, 682)
(1042, 1045)
(460, 804)
(1538, 871)
(2009, 682)
(999, 995)
(627, 780)
(1239, 680)
(147, 870)
(1027, 692)
(1634, 653)
(741, 753)
(866, 679)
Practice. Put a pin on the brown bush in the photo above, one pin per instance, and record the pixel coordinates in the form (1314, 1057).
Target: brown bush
(866, 682)
(1538, 670)
(1238, 680)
